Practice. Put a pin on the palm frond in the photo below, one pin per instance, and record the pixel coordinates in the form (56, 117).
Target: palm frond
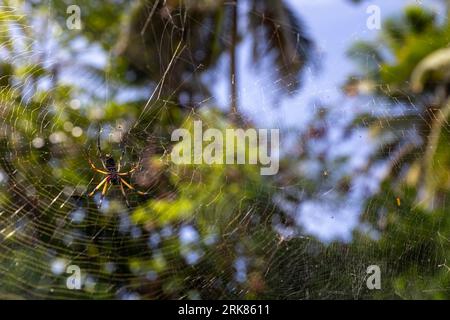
(277, 30)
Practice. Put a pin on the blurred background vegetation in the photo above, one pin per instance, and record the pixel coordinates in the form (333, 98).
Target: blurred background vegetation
(137, 70)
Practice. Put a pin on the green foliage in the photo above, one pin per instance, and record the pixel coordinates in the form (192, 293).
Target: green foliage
(47, 177)
(412, 225)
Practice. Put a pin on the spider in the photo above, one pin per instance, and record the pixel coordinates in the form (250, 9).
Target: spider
(113, 174)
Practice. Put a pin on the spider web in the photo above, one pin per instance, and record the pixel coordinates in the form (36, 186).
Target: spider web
(235, 248)
(47, 221)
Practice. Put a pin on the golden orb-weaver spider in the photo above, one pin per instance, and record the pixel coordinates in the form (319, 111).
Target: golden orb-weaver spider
(113, 175)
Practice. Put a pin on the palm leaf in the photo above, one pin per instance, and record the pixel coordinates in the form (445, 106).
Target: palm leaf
(436, 62)
(284, 37)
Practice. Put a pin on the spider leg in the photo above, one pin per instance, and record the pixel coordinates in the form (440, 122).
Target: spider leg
(98, 187)
(95, 168)
(124, 194)
(105, 188)
(98, 141)
(99, 148)
(128, 172)
(129, 186)
(122, 147)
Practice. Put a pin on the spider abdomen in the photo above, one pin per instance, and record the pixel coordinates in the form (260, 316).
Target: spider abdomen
(110, 164)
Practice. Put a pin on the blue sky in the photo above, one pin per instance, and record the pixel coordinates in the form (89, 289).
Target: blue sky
(334, 25)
